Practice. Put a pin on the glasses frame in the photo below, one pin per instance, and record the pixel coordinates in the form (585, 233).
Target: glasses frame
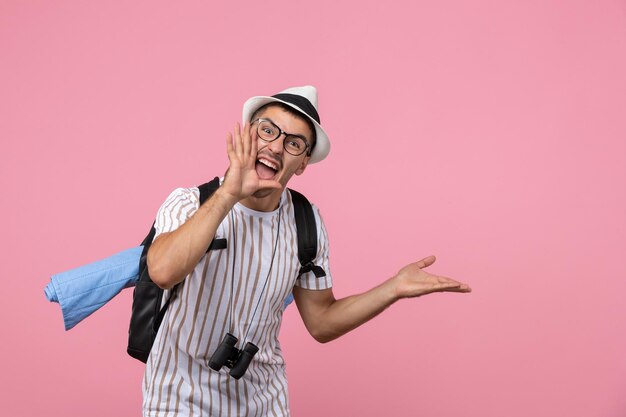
(307, 148)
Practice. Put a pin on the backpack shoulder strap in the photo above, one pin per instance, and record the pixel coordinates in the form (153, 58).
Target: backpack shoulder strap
(306, 227)
(207, 189)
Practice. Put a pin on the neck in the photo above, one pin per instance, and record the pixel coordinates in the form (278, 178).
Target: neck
(263, 202)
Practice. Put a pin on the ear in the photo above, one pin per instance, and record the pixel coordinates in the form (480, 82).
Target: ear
(303, 165)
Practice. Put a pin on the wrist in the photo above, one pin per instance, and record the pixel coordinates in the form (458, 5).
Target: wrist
(391, 290)
(224, 200)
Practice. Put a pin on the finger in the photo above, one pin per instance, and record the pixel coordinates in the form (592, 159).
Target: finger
(452, 285)
(238, 141)
(254, 145)
(445, 280)
(246, 140)
(428, 261)
(229, 146)
(447, 285)
(462, 288)
(437, 287)
(270, 184)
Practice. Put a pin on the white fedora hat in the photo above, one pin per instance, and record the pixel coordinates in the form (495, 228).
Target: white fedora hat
(304, 100)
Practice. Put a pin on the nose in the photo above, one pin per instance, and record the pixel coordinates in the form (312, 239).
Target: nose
(276, 146)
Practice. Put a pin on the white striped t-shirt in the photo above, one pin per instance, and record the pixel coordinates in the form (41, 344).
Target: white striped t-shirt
(177, 380)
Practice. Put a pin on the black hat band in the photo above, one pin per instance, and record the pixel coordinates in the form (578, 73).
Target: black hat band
(302, 102)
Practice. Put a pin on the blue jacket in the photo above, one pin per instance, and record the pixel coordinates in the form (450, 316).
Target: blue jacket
(83, 290)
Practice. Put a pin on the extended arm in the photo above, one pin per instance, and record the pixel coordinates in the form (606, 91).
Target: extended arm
(327, 319)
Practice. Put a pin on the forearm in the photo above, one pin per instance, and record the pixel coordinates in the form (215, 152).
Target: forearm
(328, 318)
(172, 256)
(346, 314)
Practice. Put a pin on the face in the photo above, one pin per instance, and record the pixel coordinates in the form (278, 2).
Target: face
(273, 153)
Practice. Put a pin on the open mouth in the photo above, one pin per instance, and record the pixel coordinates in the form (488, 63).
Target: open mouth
(265, 168)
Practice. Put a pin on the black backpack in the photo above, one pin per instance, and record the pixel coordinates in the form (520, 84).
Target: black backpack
(147, 312)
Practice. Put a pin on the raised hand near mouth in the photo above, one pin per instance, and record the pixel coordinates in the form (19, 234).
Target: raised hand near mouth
(241, 179)
(173, 255)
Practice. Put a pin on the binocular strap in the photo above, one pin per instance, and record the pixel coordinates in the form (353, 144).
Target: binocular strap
(232, 281)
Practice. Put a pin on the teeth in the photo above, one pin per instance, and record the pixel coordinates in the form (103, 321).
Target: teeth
(269, 164)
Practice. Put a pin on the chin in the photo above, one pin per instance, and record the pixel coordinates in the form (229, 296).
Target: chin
(264, 192)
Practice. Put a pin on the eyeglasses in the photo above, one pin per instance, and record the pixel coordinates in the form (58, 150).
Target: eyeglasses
(294, 144)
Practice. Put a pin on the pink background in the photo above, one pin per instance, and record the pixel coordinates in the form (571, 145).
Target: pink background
(491, 134)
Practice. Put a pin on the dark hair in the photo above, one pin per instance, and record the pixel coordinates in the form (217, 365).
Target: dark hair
(293, 112)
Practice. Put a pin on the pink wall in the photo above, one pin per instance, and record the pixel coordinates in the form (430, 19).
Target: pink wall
(492, 134)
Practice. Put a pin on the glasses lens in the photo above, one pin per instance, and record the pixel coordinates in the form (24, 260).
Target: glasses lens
(294, 145)
(267, 130)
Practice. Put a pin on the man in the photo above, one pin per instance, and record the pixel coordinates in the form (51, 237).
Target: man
(240, 289)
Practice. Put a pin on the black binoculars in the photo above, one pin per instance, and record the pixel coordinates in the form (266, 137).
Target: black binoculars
(237, 360)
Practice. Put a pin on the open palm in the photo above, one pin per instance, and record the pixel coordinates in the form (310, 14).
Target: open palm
(413, 281)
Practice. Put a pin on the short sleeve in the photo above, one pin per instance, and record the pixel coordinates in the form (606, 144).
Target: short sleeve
(308, 280)
(181, 204)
